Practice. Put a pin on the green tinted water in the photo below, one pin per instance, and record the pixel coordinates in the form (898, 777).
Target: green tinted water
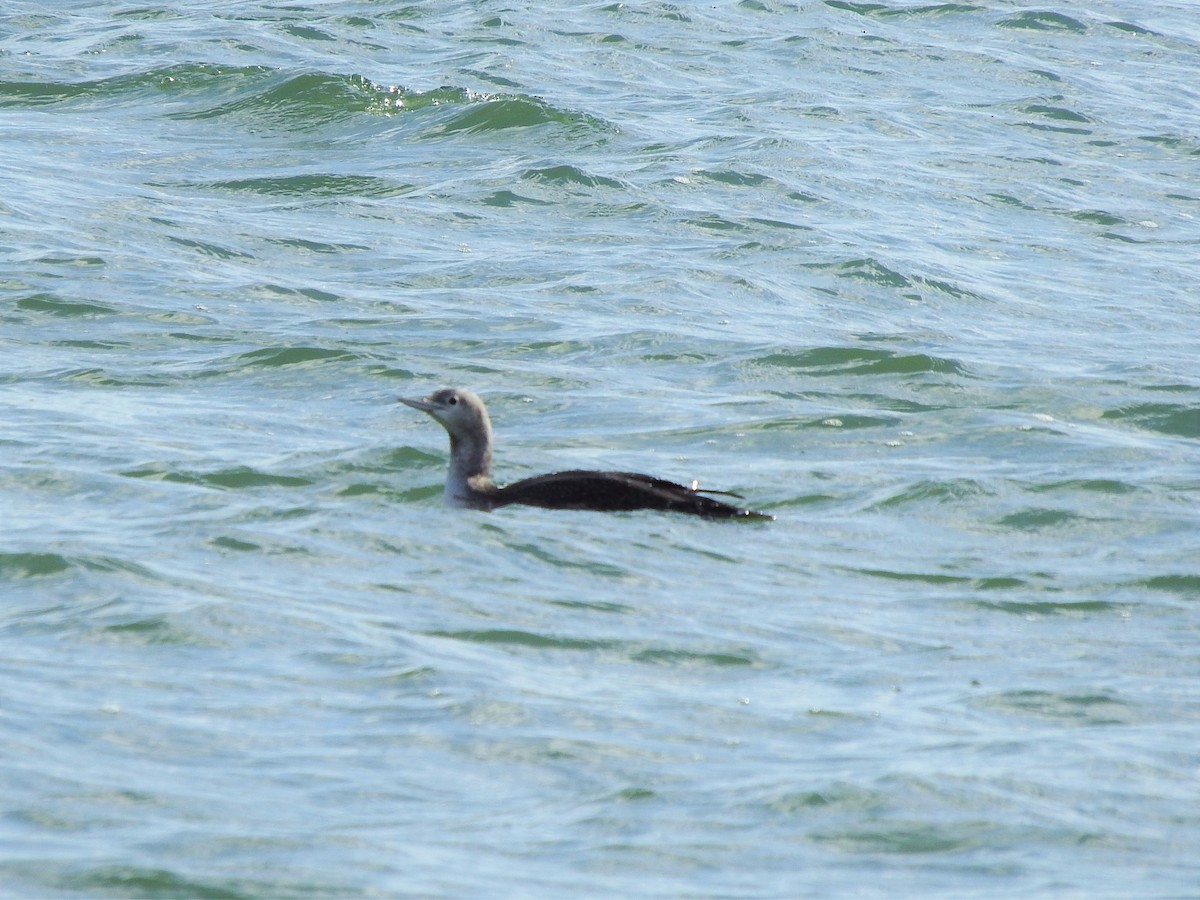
(920, 281)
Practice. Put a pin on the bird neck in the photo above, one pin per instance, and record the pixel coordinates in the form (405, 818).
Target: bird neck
(469, 481)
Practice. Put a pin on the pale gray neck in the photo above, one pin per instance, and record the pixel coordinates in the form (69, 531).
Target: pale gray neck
(469, 480)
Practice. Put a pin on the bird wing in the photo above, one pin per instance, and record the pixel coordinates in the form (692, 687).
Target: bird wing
(615, 491)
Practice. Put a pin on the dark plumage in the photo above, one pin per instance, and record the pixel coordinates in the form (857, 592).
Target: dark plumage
(469, 482)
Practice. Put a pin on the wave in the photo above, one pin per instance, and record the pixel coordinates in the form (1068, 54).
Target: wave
(858, 361)
(170, 81)
(266, 97)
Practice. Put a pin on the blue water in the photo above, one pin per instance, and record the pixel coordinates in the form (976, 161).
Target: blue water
(919, 280)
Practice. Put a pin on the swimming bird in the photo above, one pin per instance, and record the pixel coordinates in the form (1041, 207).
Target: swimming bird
(469, 479)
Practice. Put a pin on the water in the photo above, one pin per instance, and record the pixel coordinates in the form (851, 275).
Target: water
(919, 280)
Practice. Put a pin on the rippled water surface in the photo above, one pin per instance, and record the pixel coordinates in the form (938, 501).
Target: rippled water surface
(920, 280)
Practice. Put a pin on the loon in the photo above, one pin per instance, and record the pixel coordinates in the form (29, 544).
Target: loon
(469, 480)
